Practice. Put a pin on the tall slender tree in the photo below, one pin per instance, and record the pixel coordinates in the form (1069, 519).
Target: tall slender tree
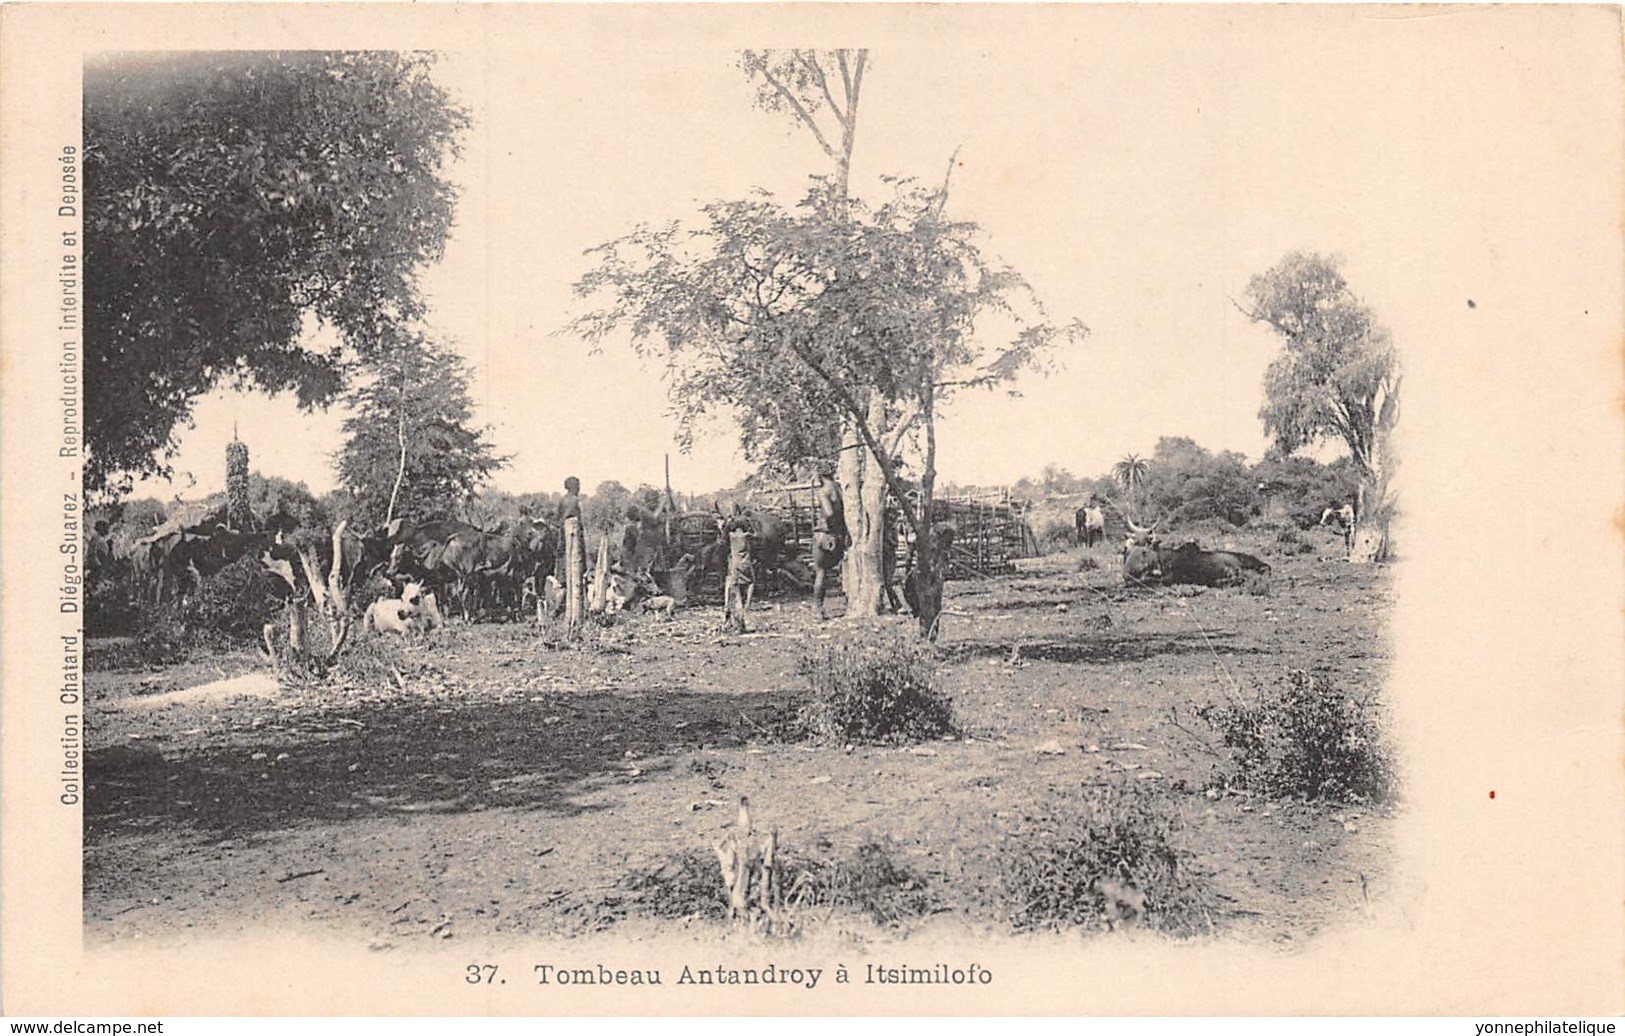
(1337, 377)
(821, 90)
(409, 450)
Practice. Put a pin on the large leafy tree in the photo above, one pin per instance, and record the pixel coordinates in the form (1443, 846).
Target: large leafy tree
(230, 196)
(1337, 377)
(828, 328)
(409, 451)
(1186, 482)
(878, 307)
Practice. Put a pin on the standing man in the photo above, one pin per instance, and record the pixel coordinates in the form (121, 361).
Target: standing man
(570, 507)
(830, 536)
(740, 585)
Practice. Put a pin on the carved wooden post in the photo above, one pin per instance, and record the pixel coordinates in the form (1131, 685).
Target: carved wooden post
(600, 578)
(575, 564)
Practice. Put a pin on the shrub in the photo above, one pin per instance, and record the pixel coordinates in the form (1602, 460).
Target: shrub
(1057, 535)
(1088, 563)
(878, 691)
(1105, 859)
(161, 637)
(1306, 738)
(237, 600)
(869, 881)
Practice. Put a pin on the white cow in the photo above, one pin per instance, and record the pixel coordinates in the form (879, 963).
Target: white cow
(398, 614)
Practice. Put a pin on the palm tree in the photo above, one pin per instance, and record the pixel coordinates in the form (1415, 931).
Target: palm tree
(1130, 473)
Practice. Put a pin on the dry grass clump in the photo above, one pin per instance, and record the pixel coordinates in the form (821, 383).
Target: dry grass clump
(1104, 860)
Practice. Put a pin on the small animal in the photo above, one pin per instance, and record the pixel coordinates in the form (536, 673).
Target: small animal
(664, 605)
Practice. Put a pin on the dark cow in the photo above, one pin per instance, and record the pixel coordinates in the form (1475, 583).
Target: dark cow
(769, 549)
(472, 565)
(1188, 564)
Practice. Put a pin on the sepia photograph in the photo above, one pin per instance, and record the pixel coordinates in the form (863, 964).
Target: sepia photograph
(744, 510)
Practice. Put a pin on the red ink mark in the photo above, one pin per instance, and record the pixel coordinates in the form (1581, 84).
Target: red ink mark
(1492, 794)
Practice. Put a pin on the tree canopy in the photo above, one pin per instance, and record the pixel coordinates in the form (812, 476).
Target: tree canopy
(787, 314)
(409, 451)
(1337, 369)
(1184, 481)
(1337, 377)
(232, 196)
(761, 306)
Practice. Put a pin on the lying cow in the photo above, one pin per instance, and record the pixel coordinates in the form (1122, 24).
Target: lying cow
(403, 615)
(1188, 564)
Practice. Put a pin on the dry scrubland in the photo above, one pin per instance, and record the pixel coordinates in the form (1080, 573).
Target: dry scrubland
(498, 783)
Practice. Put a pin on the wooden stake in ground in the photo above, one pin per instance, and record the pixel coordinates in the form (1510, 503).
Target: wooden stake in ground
(600, 578)
(575, 566)
(746, 863)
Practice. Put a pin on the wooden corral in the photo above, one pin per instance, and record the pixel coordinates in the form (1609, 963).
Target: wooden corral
(989, 535)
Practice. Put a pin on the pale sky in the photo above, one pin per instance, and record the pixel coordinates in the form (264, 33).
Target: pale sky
(1137, 171)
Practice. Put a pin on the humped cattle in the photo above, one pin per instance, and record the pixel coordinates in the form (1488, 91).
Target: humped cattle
(472, 566)
(1091, 524)
(1187, 564)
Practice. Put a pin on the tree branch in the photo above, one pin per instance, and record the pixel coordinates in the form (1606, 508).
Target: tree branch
(861, 423)
(817, 70)
(801, 112)
(905, 421)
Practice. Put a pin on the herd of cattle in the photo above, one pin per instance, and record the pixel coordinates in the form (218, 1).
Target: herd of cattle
(449, 565)
(413, 571)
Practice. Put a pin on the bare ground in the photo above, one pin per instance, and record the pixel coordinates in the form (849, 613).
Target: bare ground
(498, 785)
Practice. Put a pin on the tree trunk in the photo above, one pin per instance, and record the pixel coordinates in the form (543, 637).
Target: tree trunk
(1374, 509)
(1374, 513)
(298, 642)
(863, 493)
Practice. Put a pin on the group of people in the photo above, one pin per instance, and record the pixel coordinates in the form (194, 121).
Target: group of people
(831, 540)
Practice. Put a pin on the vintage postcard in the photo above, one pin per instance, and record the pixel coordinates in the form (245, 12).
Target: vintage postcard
(812, 510)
